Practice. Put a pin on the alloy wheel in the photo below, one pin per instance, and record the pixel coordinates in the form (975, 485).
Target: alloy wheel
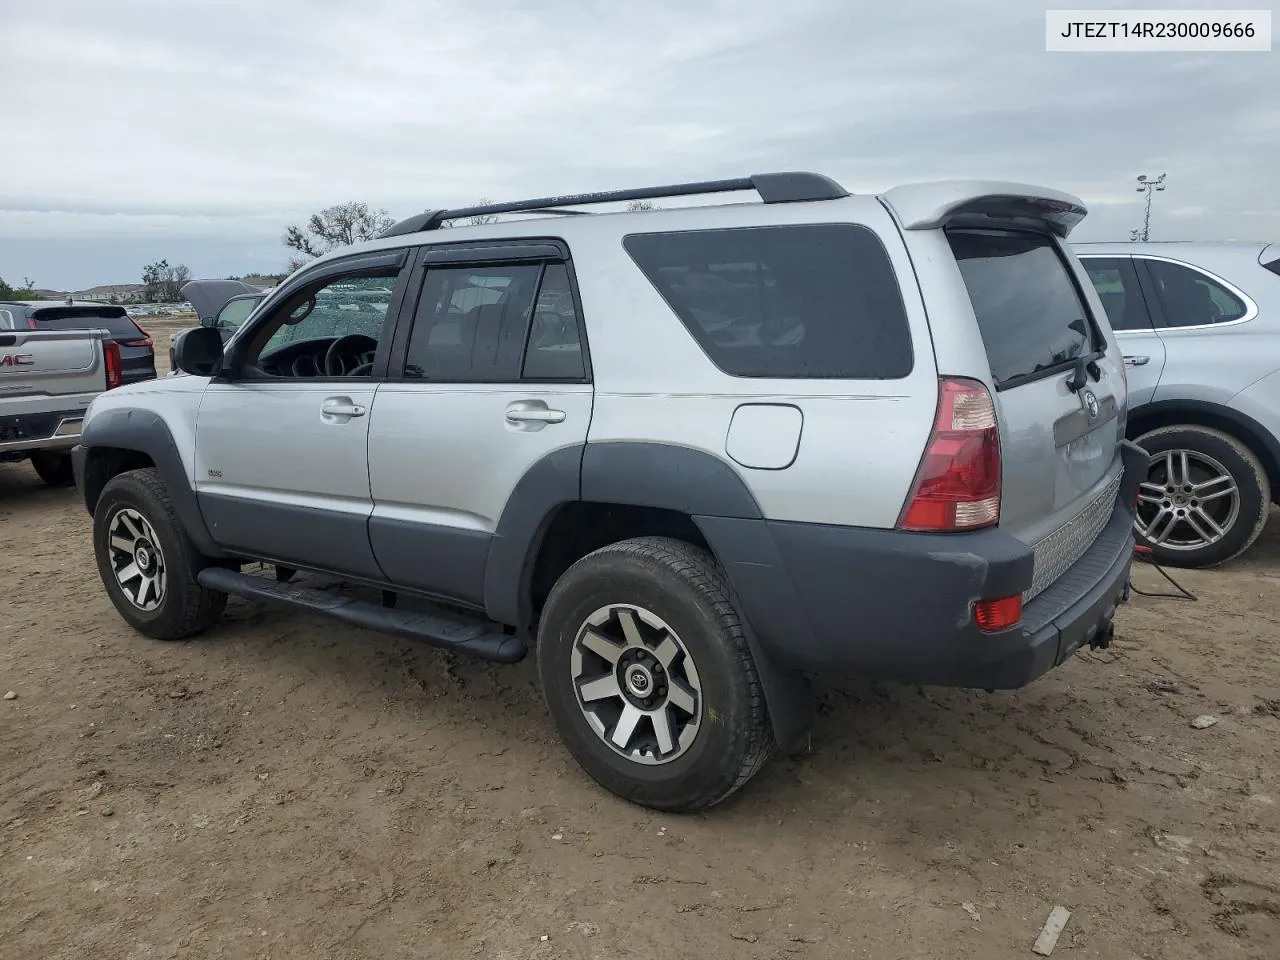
(1189, 501)
(136, 559)
(636, 684)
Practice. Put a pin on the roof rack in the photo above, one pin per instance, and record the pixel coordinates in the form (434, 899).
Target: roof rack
(789, 187)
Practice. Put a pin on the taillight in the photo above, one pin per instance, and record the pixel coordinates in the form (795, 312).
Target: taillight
(996, 615)
(111, 351)
(31, 324)
(958, 484)
(142, 340)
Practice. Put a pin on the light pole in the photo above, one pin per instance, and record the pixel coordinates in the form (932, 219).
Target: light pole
(1147, 185)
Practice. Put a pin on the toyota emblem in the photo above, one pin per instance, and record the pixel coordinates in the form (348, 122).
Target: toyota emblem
(1091, 404)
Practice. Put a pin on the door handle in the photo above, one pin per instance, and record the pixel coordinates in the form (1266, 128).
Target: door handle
(1132, 361)
(342, 407)
(534, 415)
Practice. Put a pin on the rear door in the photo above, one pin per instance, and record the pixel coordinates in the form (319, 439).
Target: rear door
(1060, 446)
(489, 378)
(1115, 278)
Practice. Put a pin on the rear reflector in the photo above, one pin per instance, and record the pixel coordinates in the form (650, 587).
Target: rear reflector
(111, 352)
(958, 483)
(996, 615)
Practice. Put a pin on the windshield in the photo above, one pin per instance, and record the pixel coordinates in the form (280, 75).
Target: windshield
(1028, 309)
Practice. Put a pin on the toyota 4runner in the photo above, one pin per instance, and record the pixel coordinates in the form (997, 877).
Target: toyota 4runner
(693, 456)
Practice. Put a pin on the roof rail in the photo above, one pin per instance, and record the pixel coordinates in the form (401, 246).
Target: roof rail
(787, 187)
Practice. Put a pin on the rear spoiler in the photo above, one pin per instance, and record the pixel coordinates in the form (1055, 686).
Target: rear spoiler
(983, 203)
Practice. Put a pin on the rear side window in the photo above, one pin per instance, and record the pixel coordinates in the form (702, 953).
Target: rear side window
(1117, 284)
(810, 301)
(1028, 309)
(112, 319)
(496, 323)
(1191, 299)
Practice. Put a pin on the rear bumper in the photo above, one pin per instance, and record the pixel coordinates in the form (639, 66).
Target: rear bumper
(898, 606)
(51, 430)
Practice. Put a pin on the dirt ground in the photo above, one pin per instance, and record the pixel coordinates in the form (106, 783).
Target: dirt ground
(287, 787)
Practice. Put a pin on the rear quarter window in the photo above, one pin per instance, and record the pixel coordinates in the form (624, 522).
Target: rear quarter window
(1028, 308)
(806, 301)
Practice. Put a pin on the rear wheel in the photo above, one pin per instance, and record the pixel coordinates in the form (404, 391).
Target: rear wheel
(648, 676)
(1205, 499)
(147, 562)
(53, 468)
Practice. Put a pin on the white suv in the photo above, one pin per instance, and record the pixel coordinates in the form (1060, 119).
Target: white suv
(698, 455)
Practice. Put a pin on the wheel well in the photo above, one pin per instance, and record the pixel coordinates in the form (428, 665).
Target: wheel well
(578, 528)
(103, 463)
(1252, 435)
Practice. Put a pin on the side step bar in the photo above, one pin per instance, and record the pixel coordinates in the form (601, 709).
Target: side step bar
(462, 636)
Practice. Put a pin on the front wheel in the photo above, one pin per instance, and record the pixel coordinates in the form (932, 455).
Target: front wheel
(648, 676)
(147, 562)
(1206, 497)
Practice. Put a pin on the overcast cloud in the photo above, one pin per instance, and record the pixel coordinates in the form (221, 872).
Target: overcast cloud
(138, 129)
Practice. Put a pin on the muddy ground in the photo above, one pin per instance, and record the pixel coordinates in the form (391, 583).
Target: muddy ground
(286, 787)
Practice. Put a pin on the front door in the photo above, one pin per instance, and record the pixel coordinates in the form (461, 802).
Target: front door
(281, 444)
(492, 377)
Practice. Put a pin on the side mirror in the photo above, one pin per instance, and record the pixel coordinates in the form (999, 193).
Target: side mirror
(198, 351)
(208, 321)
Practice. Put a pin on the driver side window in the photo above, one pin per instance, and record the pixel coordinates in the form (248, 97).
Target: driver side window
(331, 330)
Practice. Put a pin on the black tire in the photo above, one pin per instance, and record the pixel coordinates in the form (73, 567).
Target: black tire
(53, 467)
(185, 608)
(1244, 468)
(683, 586)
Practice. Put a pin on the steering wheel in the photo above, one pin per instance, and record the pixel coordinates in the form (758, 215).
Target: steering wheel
(333, 362)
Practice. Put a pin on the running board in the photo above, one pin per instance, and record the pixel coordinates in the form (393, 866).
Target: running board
(460, 635)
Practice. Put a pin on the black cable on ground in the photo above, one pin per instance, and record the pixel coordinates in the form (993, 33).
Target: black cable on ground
(1144, 554)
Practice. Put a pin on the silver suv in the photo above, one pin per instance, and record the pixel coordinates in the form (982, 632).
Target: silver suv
(1199, 324)
(697, 455)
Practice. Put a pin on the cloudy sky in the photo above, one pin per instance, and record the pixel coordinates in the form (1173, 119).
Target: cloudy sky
(196, 131)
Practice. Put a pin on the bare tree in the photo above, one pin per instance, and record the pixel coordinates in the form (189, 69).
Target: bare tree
(333, 227)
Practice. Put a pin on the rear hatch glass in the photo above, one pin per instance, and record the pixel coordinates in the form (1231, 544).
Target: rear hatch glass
(1060, 449)
(1028, 308)
(112, 319)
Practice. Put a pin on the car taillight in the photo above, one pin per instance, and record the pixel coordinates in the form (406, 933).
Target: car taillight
(143, 339)
(995, 615)
(958, 484)
(111, 351)
(31, 324)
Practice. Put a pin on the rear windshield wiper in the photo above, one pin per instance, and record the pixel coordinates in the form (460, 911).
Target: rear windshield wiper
(1086, 365)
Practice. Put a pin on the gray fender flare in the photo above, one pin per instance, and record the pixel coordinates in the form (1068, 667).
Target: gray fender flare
(141, 431)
